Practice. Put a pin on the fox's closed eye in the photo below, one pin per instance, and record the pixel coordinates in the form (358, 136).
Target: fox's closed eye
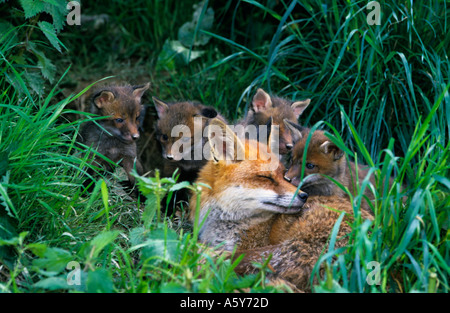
(119, 120)
(310, 166)
(266, 177)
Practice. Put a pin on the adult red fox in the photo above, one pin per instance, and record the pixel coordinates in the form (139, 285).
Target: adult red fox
(245, 189)
(115, 136)
(258, 211)
(325, 158)
(266, 108)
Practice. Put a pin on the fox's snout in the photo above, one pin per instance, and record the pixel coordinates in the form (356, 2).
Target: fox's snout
(130, 133)
(303, 196)
(292, 175)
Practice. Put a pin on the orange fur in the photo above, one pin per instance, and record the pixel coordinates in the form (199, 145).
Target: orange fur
(235, 211)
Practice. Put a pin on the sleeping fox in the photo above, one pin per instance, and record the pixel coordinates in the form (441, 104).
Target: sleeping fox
(325, 158)
(266, 108)
(244, 193)
(260, 212)
(115, 136)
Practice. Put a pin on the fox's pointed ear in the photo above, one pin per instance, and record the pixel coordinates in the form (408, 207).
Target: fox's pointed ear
(328, 147)
(296, 130)
(261, 101)
(102, 98)
(208, 112)
(223, 143)
(300, 106)
(161, 107)
(138, 91)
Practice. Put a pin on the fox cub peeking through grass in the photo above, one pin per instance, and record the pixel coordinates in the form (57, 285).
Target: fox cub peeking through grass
(115, 136)
(182, 116)
(266, 108)
(325, 158)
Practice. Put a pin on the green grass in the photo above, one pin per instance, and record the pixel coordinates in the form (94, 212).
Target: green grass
(382, 91)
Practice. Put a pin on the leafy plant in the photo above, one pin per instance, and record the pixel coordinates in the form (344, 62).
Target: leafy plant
(22, 30)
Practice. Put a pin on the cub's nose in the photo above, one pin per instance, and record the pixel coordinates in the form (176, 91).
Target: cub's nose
(303, 196)
(169, 157)
(135, 136)
(289, 146)
(287, 178)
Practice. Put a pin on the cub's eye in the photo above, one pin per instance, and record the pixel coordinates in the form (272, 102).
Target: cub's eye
(164, 137)
(310, 166)
(119, 120)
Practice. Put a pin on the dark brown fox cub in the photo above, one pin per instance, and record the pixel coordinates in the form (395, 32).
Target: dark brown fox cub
(116, 138)
(271, 109)
(179, 129)
(325, 158)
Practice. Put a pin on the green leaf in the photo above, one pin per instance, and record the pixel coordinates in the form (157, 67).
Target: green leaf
(101, 241)
(50, 32)
(179, 186)
(189, 35)
(32, 7)
(54, 260)
(156, 245)
(5, 201)
(151, 206)
(48, 69)
(58, 11)
(99, 281)
(53, 283)
(174, 53)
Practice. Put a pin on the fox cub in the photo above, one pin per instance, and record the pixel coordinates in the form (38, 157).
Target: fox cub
(116, 137)
(268, 109)
(179, 130)
(325, 158)
(246, 192)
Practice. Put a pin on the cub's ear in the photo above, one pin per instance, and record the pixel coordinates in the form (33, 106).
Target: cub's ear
(161, 107)
(330, 148)
(103, 98)
(296, 130)
(223, 142)
(261, 101)
(208, 112)
(138, 91)
(300, 106)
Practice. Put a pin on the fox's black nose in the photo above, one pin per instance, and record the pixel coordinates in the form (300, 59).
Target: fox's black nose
(135, 136)
(287, 178)
(169, 157)
(303, 196)
(289, 146)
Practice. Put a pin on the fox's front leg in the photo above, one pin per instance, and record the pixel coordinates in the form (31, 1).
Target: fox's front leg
(128, 165)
